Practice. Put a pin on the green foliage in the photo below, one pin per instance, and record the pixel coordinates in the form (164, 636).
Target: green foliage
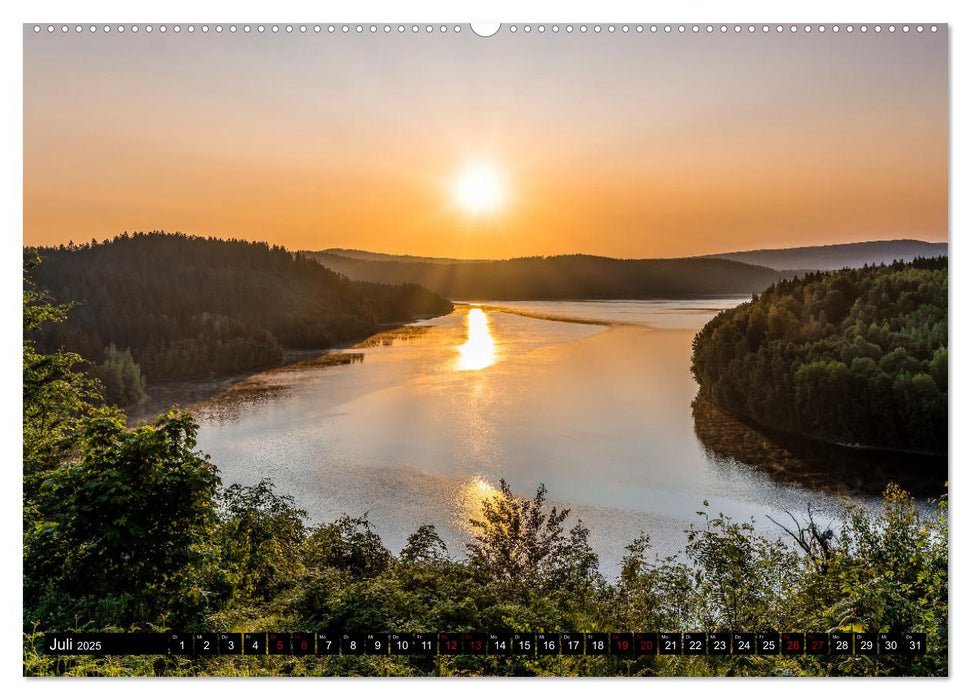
(121, 378)
(192, 307)
(741, 579)
(519, 546)
(349, 545)
(126, 522)
(424, 547)
(854, 356)
(259, 538)
(887, 573)
(57, 394)
(882, 573)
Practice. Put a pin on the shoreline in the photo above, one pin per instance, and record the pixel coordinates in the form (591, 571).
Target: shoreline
(856, 447)
(559, 318)
(185, 393)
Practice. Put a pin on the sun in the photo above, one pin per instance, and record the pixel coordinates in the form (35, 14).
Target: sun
(479, 189)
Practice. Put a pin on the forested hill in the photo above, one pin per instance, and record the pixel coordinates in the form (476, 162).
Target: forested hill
(190, 307)
(391, 257)
(838, 256)
(855, 356)
(560, 277)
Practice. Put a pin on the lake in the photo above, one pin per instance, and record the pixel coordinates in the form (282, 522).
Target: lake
(593, 399)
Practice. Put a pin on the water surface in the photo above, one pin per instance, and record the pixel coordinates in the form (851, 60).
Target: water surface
(422, 423)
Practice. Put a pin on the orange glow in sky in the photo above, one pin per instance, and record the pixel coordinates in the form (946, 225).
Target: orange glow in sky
(459, 146)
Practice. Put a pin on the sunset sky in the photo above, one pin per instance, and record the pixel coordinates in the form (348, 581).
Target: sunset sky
(629, 145)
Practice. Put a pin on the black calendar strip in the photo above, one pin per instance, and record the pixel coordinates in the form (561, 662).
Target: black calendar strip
(624, 644)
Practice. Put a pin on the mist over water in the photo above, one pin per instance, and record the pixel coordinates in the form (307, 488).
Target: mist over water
(425, 426)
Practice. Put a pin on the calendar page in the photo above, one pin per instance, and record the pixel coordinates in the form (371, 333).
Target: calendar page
(449, 349)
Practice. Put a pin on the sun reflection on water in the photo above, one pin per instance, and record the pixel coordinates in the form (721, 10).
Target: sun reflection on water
(471, 497)
(479, 350)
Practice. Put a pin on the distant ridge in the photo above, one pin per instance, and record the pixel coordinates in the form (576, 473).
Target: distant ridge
(598, 277)
(556, 277)
(837, 256)
(819, 257)
(355, 254)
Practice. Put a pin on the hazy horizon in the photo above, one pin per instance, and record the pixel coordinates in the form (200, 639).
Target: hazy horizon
(620, 145)
(713, 253)
(338, 249)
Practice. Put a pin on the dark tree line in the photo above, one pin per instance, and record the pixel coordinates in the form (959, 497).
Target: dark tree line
(857, 356)
(562, 276)
(187, 307)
